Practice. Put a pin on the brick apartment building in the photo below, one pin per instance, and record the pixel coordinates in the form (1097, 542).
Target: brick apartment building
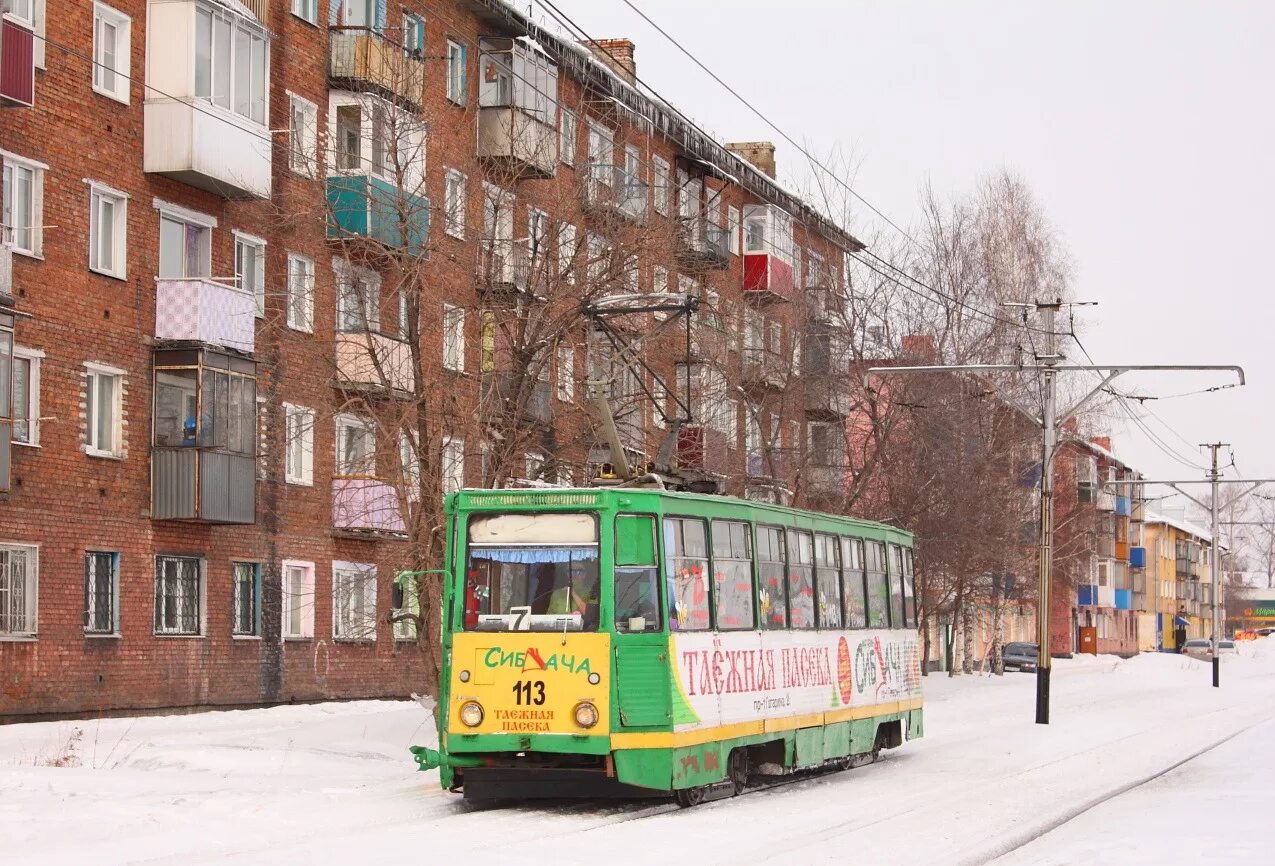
(240, 236)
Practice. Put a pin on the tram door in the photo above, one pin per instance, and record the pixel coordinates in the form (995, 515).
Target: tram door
(643, 696)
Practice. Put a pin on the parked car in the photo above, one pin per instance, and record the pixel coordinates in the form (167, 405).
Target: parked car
(1020, 656)
(1199, 648)
(1264, 632)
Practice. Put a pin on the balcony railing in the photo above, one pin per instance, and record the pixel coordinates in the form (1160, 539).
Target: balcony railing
(760, 466)
(203, 486)
(363, 59)
(764, 369)
(609, 191)
(529, 400)
(510, 136)
(702, 245)
(370, 361)
(825, 306)
(368, 207)
(826, 480)
(826, 397)
(203, 311)
(505, 266)
(361, 504)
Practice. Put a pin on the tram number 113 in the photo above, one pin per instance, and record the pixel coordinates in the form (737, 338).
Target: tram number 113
(529, 692)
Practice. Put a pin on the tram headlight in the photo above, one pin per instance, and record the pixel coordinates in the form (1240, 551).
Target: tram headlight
(594, 678)
(471, 714)
(463, 676)
(586, 714)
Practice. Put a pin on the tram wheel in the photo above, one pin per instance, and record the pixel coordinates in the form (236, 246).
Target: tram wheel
(737, 770)
(688, 797)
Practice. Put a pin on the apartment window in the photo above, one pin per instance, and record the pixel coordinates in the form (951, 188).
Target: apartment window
(453, 338)
(457, 83)
(23, 205)
(414, 36)
(299, 444)
(307, 10)
(103, 402)
(232, 64)
(111, 36)
(108, 230)
(101, 592)
(358, 300)
(178, 601)
(659, 397)
(732, 227)
(403, 331)
(454, 203)
(660, 182)
(246, 599)
(22, 10)
(19, 575)
(26, 395)
(453, 464)
(300, 293)
(250, 268)
(409, 464)
(535, 465)
(405, 600)
(567, 132)
(297, 588)
(353, 601)
(566, 374)
(601, 154)
(185, 246)
(355, 446)
(303, 133)
(538, 235)
(487, 341)
(567, 252)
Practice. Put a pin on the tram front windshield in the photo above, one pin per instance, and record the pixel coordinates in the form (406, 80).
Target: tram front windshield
(532, 572)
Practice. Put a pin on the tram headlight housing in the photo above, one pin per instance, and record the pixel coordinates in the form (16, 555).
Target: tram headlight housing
(463, 676)
(471, 714)
(586, 714)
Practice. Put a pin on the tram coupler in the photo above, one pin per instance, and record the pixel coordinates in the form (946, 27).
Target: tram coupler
(426, 758)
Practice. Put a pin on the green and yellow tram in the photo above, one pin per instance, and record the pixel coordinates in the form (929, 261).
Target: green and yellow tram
(646, 642)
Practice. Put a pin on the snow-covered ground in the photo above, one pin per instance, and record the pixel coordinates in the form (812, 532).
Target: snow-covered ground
(333, 783)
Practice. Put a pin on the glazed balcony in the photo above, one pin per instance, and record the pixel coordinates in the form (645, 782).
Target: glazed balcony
(702, 246)
(362, 60)
(509, 137)
(826, 397)
(610, 194)
(764, 369)
(369, 361)
(205, 311)
(366, 505)
(366, 206)
(517, 108)
(529, 400)
(703, 449)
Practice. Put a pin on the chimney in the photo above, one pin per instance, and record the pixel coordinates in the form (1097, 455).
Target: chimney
(617, 54)
(919, 346)
(1103, 442)
(759, 153)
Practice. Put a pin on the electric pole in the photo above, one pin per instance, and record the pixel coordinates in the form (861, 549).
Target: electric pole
(1214, 561)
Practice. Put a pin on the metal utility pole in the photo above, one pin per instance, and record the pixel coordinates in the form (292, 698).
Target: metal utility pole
(1050, 421)
(1214, 562)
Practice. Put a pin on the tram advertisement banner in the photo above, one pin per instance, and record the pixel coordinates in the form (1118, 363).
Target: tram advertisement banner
(725, 678)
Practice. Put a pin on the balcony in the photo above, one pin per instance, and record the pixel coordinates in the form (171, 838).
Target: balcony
(509, 137)
(1138, 557)
(764, 369)
(1122, 551)
(365, 206)
(703, 449)
(610, 194)
(517, 108)
(360, 59)
(17, 63)
(768, 253)
(702, 246)
(371, 361)
(762, 468)
(1105, 501)
(825, 306)
(504, 268)
(826, 398)
(1123, 506)
(530, 400)
(1087, 594)
(826, 480)
(1105, 546)
(366, 505)
(204, 311)
(1124, 599)
(206, 126)
(203, 486)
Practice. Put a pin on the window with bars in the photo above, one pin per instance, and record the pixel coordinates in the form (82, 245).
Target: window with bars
(405, 599)
(353, 601)
(101, 579)
(177, 595)
(18, 590)
(246, 600)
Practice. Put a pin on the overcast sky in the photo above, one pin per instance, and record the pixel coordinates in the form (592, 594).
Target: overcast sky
(1145, 129)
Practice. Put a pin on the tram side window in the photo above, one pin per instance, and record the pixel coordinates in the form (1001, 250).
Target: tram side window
(637, 601)
(852, 583)
(686, 568)
(898, 608)
(909, 593)
(878, 588)
(801, 580)
(828, 580)
(770, 574)
(732, 575)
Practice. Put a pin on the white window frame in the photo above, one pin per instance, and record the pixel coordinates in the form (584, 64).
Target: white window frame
(568, 243)
(92, 372)
(405, 629)
(409, 464)
(453, 464)
(254, 30)
(91, 596)
(306, 10)
(660, 180)
(244, 242)
(20, 17)
(12, 164)
(343, 464)
(601, 154)
(566, 385)
(33, 357)
(568, 134)
(298, 430)
(453, 338)
(534, 465)
(732, 226)
(190, 219)
(369, 302)
(303, 150)
(300, 599)
(454, 203)
(344, 628)
(300, 297)
(104, 15)
(455, 72)
(98, 194)
(31, 592)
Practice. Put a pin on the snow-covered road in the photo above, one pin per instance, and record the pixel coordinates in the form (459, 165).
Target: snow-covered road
(332, 783)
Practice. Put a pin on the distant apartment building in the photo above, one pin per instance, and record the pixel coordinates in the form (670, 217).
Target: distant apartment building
(1179, 586)
(238, 237)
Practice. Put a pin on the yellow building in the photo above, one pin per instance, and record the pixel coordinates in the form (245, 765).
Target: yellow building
(1178, 580)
